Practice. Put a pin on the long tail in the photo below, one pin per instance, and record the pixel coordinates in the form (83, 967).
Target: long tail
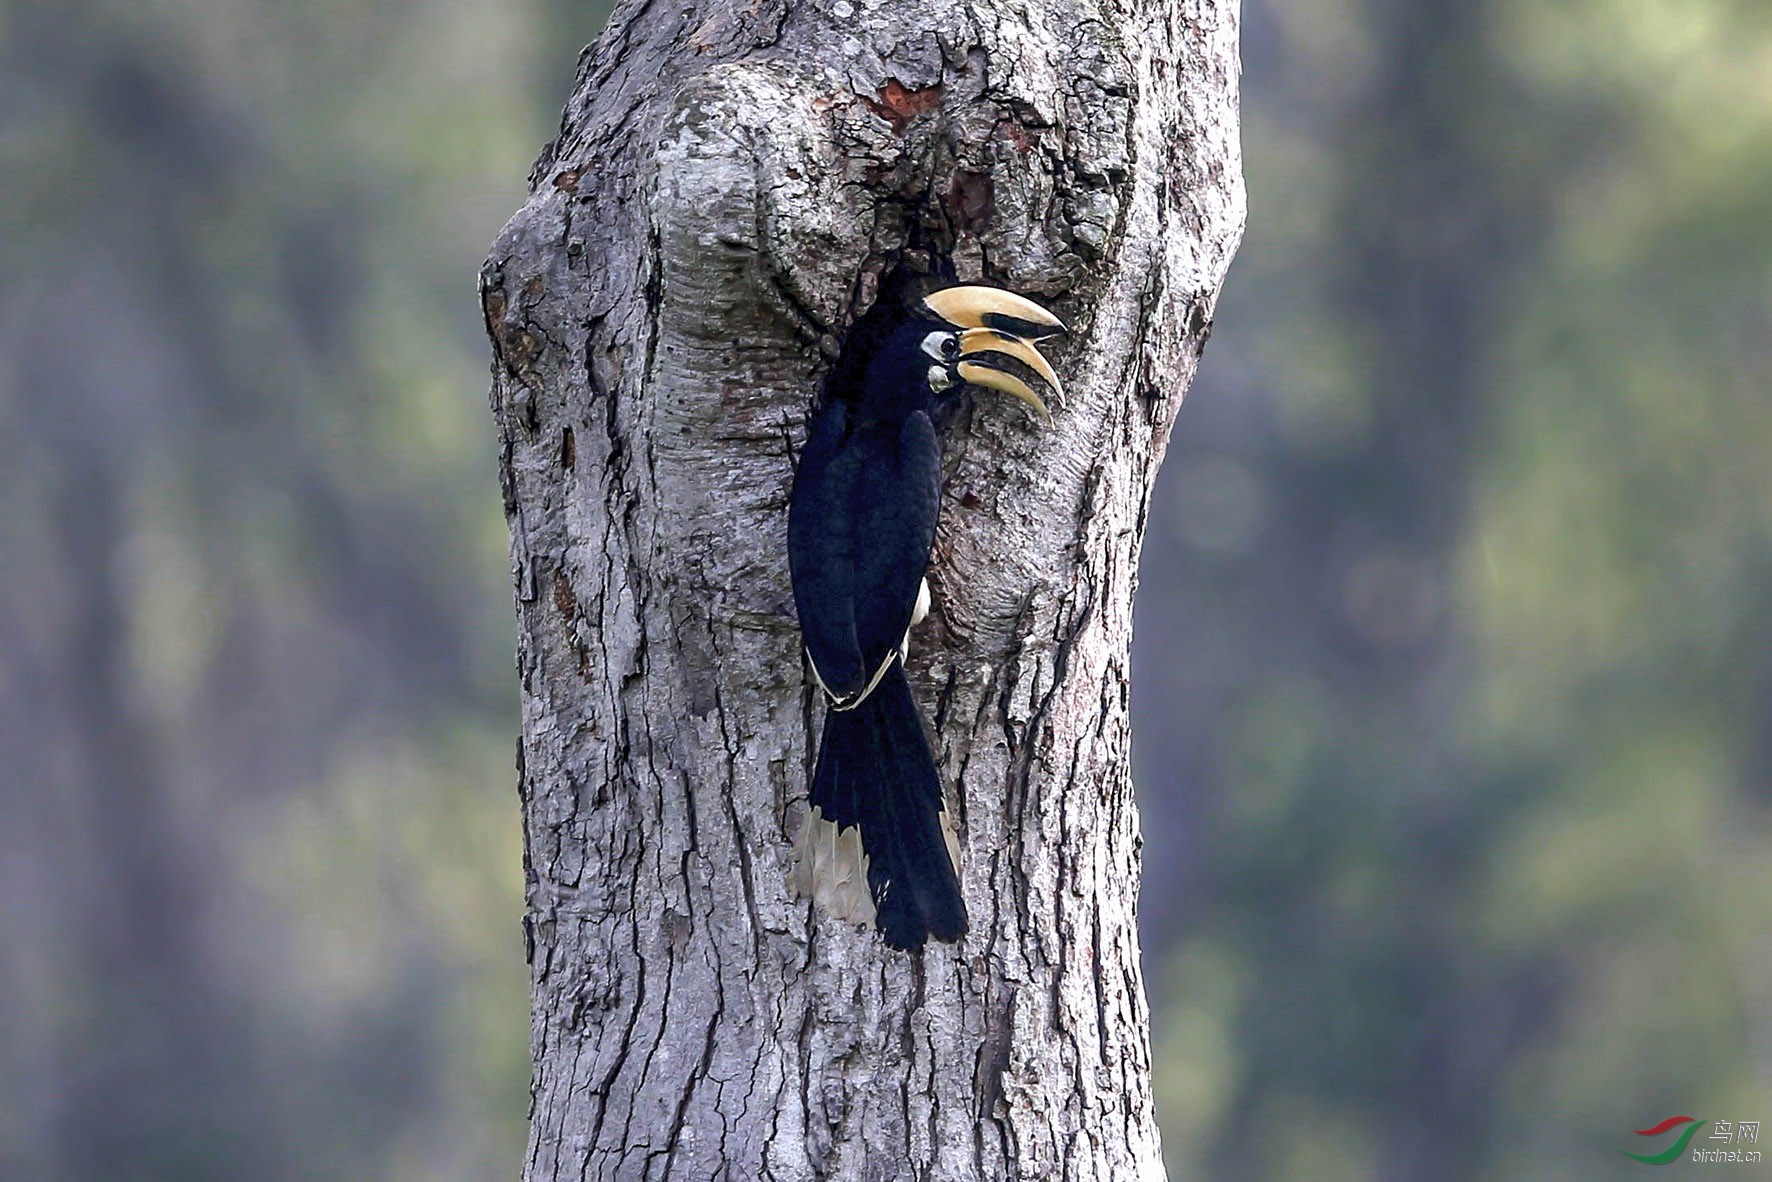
(877, 815)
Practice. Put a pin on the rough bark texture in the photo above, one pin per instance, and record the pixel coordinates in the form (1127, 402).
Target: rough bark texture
(730, 182)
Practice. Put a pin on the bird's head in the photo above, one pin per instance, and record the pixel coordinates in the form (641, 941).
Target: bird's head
(959, 335)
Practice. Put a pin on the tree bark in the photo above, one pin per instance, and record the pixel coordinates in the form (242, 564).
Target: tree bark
(730, 184)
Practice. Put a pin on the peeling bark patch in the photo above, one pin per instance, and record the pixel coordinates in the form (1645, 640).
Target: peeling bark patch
(567, 182)
(492, 303)
(513, 345)
(517, 348)
(969, 197)
(564, 601)
(898, 104)
(1017, 135)
(1199, 325)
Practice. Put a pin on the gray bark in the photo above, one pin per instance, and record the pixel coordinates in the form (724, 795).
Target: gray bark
(730, 181)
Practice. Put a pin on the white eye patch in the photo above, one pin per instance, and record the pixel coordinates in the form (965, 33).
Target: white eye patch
(943, 346)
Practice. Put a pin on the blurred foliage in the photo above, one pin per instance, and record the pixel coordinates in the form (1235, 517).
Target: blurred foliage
(1471, 519)
(259, 854)
(1454, 665)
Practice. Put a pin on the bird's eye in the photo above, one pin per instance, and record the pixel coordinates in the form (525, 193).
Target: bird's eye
(950, 347)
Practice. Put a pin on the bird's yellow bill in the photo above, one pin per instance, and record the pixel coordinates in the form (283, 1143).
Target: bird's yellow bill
(989, 340)
(975, 306)
(980, 374)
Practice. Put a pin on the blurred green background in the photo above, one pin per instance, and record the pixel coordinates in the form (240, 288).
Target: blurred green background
(1453, 688)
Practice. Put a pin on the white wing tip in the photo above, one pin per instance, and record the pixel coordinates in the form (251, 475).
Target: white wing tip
(832, 869)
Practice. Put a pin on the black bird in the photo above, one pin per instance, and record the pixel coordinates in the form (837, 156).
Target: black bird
(877, 846)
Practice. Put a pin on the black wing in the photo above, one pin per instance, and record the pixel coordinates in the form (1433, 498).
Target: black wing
(821, 554)
(898, 500)
(860, 525)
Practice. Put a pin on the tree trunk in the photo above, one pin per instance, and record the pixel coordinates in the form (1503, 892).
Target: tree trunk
(730, 184)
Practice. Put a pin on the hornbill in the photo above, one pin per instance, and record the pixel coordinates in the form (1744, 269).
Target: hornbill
(877, 846)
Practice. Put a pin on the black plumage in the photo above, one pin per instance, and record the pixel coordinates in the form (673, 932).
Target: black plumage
(861, 524)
